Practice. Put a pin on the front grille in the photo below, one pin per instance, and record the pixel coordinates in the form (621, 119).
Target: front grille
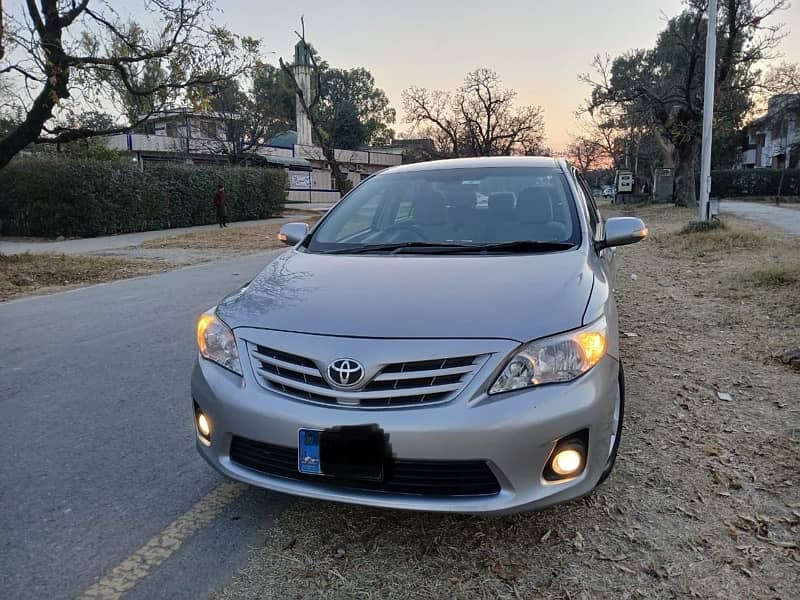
(420, 477)
(396, 384)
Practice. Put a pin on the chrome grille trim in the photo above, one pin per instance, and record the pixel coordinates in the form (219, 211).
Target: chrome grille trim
(285, 365)
(394, 385)
(334, 394)
(384, 376)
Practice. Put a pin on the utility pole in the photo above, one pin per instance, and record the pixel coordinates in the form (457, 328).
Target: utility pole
(708, 109)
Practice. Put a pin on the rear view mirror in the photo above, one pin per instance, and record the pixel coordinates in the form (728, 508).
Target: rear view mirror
(292, 233)
(621, 231)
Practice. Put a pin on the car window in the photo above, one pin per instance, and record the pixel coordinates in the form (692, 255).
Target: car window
(591, 206)
(403, 210)
(361, 220)
(450, 206)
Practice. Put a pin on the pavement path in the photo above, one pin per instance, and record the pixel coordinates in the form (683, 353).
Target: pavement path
(787, 219)
(113, 242)
(99, 466)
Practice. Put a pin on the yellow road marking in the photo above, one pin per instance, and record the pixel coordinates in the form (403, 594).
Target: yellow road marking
(136, 567)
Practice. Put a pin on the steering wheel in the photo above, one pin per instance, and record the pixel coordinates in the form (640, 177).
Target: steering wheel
(399, 233)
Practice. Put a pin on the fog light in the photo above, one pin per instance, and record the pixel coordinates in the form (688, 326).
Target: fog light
(568, 458)
(203, 426)
(567, 462)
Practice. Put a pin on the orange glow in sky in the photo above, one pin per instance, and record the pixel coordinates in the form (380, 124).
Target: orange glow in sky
(538, 48)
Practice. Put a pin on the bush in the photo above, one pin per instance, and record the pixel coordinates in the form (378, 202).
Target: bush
(755, 182)
(83, 198)
(702, 226)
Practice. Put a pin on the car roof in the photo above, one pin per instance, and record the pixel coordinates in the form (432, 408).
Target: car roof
(472, 163)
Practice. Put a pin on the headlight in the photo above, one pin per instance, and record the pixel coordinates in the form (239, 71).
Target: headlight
(554, 360)
(216, 342)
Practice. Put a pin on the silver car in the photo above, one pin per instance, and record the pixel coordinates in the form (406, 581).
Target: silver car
(420, 349)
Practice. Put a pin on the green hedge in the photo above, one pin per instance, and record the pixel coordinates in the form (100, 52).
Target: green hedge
(52, 197)
(755, 182)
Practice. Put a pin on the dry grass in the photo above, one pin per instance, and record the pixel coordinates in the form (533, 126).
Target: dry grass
(778, 276)
(22, 274)
(703, 503)
(251, 238)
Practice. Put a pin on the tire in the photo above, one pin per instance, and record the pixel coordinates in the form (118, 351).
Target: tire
(612, 457)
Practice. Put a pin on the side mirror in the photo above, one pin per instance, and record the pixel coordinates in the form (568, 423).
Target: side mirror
(291, 233)
(621, 231)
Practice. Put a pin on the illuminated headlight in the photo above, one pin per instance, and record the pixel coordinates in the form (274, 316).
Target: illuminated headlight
(216, 342)
(555, 359)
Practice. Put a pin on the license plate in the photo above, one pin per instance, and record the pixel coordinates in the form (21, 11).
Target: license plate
(308, 452)
(352, 453)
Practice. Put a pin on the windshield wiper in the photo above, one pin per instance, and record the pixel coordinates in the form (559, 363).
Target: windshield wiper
(447, 248)
(524, 246)
(401, 246)
(520, 246)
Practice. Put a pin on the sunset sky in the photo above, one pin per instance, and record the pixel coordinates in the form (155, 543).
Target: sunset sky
(538, 48)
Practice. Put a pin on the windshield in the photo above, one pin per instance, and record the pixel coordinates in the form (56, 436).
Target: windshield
(454, 207)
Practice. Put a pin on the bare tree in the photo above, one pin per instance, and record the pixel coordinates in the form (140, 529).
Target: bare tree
(429, 111)
(70, 56)
(664, 85)
(244, 120)
(585, 153)
(479, 119)
(784, 79)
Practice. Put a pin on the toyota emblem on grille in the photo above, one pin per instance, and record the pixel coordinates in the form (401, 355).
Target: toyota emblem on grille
(345, 372)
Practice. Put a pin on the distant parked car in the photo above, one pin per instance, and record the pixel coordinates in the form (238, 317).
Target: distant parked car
(609, 191)
(418, 349)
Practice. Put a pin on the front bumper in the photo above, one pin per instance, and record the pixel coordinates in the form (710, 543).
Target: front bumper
(514, 433)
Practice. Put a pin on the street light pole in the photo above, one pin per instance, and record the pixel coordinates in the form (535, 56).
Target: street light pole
(708, 109)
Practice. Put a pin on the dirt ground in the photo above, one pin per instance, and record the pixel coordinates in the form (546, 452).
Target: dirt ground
(254, 238)
(26, 274)
(23, 274)
(703, 502)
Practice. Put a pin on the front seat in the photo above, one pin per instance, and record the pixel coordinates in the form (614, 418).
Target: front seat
(430, 215)
(535, 221)
(500, 217)
(464, 217)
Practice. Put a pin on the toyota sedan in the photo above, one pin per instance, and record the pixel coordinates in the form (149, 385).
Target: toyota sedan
(444, 339)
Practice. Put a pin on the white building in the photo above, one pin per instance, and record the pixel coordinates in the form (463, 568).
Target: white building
(773, 139)
(200, 138)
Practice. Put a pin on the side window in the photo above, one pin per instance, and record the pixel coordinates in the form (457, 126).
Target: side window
(591, 206)
(361, 221)
(403, 211)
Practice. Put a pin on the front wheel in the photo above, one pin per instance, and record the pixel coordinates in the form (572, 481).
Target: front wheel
(617, 418)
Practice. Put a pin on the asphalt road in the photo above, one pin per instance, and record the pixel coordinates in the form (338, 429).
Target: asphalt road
(97, 443)
(787, 219)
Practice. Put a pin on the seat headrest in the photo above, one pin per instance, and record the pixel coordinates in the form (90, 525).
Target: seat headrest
(463, 200)
(430, 209)
(534, 206)
(501, 204)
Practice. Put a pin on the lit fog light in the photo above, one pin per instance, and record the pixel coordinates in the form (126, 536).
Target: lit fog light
(567, 462)
(203, 426)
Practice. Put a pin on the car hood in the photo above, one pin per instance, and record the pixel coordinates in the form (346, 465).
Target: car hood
(519, 297)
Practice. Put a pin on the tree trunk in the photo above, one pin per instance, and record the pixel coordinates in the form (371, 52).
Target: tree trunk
(683, 191)
(342, 182)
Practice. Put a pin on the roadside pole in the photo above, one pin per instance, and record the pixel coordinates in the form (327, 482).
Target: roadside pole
(708, 109)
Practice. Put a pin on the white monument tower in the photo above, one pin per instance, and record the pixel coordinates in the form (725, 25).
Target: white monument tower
(302, 72)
